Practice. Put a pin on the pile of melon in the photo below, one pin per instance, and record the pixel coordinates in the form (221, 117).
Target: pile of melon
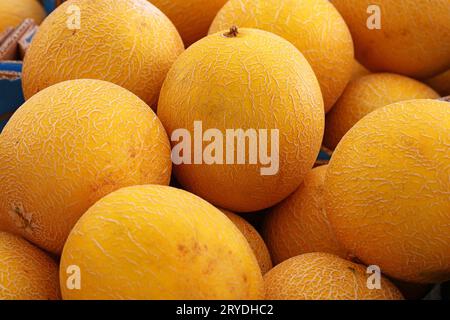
(120, 179)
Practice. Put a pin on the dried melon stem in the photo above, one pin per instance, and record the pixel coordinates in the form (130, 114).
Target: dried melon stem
(233, 33)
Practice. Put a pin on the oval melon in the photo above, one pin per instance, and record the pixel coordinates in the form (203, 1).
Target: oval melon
(323, 276)
(253, 80)
(299, 224)
(128, 42)
(191, 17)
(387, 190)
(157, 242)
(12, 13)
(26, 273)
(68, 146)
(367, 94)
(412, 38)
(254, 239)
(315, 27)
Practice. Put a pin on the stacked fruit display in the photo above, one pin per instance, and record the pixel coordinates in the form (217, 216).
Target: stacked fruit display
(129, 160)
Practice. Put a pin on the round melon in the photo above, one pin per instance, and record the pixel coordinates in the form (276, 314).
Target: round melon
(367, 94)
(387, 190)
(251, 80)
(128, 42)
(323, 276)
(254, 239)
(441, 83)
(26, 272)
(299, 224)
(191, 17)
(12, 13)
(408, 37)
(315, 27)
(68, 146)
(157, 242)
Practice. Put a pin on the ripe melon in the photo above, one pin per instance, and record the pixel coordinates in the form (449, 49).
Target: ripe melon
(128, 42)
(191, 17)
(254, 239)
(387, 190)
(12, 13)
(251, 80)
(367, 94)
(26, 273)
(299, 224)
(158, 242)
(413, 38)
(323, 276)
(441, 83)
(315, 27)
(68, 146)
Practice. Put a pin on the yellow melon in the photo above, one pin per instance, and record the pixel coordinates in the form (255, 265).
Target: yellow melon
(299, 224)
(314, 26)
(254, 239)
(26, 273)
(157, 242)
(403, 36)
(68, 146)
(127, 42)
(191, 17)
(323, 276)
(441, 83)
(387, 190)
(12, 13)
(367, 94)
(251, 80)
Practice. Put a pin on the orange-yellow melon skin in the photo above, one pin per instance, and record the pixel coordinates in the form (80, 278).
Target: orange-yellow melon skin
(299, 224)
(358, 71)
(441, 83)
(68, 146)
(387, 190)
(157, 242)
(414, 39)
(366, 94)
(256, 80)
(13, 12)
(315, 27)
(128, 42)
(254, 239)
(191, 17)
(323, 276)
(26, 273)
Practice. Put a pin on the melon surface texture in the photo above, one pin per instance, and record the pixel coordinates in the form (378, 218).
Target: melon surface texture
(387, 190)
(13, 12)
(128, 42)
(253, 80)
(157, 242)
(315, 27)
(68, 146)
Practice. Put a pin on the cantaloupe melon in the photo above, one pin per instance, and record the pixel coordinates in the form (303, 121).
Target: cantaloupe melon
(441, 83)
(254, 239)
(387, 190)
(323, 276)
(251, 80)
(300, 224)
(191, 17)
(157, 242)
(68, 146)
(367, 94)
(314, 26)
(408, 37)
(26, 273)
(127, 42)
(12, 13)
